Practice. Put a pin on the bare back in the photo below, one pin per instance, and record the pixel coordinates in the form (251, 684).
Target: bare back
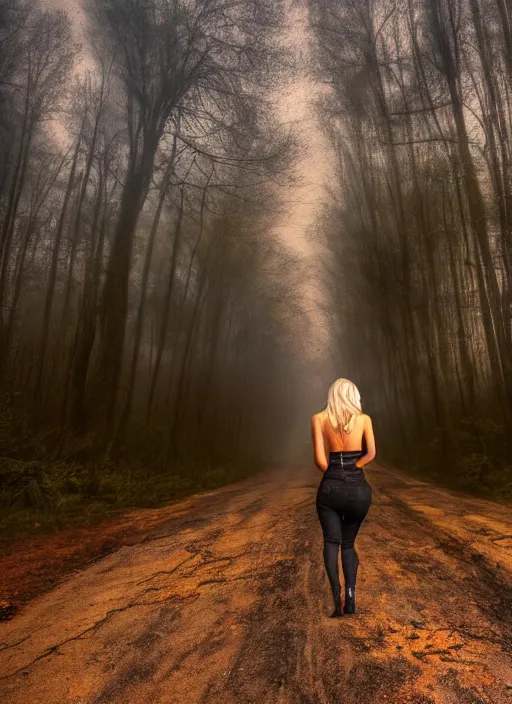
(334, 442)
(327, 439)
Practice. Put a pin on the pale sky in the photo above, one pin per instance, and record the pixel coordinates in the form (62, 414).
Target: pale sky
(297, 105)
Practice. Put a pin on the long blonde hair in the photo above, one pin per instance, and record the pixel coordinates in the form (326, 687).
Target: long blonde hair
(343, 405)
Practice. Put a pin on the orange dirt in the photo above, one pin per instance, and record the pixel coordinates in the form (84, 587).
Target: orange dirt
(226, 600)
(32, 566)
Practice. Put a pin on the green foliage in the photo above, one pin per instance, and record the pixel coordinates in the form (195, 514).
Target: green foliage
(470, 454)
(52, 480)
(26, 485)
(40, 497)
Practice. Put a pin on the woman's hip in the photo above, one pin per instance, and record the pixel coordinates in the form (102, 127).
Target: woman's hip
(341, 495)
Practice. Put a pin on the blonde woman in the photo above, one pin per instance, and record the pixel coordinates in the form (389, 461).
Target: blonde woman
(343, 444)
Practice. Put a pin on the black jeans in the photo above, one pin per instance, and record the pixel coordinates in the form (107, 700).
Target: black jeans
(343, 500)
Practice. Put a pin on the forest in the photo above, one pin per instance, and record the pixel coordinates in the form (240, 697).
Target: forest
(418, 225)
(142, 348)
(154, 334)
(210, 211)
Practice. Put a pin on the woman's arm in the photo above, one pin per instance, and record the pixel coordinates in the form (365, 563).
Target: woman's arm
(318, 444)
(370, 443)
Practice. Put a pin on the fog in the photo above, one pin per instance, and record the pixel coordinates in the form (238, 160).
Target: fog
(209, 211)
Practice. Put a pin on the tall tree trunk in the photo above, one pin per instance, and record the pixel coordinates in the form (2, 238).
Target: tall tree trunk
(114, 306)
(52, 277)
(167, 303)
(139, 323)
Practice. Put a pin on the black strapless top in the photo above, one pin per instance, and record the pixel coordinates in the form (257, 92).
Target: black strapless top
(345, 458)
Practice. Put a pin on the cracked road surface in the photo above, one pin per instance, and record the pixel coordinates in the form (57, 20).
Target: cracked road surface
(227, 601)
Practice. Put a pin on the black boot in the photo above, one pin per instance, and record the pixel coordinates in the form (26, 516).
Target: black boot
(337, 606)
(350, 601)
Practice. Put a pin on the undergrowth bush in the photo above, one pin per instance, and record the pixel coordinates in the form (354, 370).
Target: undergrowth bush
(472, 454)
(53, 480)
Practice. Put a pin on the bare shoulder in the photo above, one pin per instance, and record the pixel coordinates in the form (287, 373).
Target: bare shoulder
(318, 418)
(367, 420)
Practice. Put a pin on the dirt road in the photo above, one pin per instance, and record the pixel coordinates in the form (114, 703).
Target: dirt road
(227, 602)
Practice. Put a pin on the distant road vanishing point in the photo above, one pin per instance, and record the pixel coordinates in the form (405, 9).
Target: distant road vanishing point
(227, 602)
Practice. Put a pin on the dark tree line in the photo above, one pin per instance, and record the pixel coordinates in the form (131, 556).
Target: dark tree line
(418, 223)
(142, 296)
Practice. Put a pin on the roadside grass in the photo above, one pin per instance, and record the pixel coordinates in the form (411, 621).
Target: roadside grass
(40, 497)
(54, 480)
